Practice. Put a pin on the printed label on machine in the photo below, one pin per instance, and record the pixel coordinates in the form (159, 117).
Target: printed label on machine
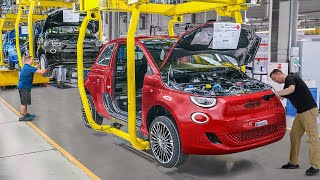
(226, 35)
(24, 30)
(70, 16)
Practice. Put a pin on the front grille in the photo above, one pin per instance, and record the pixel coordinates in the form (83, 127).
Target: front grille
(256, 134)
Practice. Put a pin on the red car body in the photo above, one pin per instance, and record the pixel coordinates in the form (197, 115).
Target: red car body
(232, 125)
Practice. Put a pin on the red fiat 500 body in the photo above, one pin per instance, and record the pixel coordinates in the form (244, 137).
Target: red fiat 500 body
(215, 108)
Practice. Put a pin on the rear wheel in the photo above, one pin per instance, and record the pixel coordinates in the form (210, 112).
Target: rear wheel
(165, 142)
(96, 117)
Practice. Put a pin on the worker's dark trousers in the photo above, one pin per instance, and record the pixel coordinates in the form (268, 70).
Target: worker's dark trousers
(305, 122)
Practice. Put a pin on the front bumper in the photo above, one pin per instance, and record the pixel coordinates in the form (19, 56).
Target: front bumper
(228, 137)
(231, 129)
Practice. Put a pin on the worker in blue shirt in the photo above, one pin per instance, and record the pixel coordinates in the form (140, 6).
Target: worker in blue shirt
(24, 86)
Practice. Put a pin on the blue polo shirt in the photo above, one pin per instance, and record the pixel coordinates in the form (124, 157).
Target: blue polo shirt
(26, 76)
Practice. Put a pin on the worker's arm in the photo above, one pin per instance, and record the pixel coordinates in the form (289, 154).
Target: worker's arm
(286, 91)
(43, 71)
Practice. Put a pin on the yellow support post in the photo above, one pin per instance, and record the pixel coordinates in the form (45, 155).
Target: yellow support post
(131, 85)
(131, 136)
(1, 52)
(100, 26)
(175, 19)
(83, 96)
(18, 35)
(82, 91)
(30, 29)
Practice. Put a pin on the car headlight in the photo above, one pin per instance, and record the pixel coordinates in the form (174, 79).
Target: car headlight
(205, 102)
(56, 43)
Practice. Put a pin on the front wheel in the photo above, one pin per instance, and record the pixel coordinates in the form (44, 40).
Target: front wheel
(165, 142)
(96, 117)
(44, 65)
(11, 65)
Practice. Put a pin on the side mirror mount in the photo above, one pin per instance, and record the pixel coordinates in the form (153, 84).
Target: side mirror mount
(162, 55)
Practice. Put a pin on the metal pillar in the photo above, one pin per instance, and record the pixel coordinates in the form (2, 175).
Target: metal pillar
(270, 29)
(274, 31)
(115, 25)
(110, 26)
(294, 5)
(104, 24)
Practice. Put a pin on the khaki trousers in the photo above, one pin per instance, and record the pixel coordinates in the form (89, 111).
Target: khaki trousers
(305, 122)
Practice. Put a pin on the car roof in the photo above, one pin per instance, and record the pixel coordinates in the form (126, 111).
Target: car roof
(142, 38)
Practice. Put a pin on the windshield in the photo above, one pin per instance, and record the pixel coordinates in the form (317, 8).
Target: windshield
(158, 48)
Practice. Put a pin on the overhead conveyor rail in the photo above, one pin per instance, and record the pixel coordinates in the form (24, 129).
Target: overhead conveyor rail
(230, 8)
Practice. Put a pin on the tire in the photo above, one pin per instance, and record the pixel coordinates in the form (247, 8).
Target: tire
(96, 117)
(11, 65)
(174, 158)
(44, 65)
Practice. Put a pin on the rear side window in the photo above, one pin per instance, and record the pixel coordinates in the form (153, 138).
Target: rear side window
(106, 55)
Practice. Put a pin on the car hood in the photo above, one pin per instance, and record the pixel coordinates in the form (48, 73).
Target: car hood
(55, 19)
(235, 40)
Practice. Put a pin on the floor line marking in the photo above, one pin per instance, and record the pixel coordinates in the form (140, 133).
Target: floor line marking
(56, 145)
(27, 153)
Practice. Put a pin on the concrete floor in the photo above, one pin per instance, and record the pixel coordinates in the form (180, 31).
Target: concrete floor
(24, 154)
(109, 157)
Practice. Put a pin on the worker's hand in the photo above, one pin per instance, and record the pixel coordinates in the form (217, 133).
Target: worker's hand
(278, 95)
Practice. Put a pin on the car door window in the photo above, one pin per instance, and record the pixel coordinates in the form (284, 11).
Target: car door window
(104, 59)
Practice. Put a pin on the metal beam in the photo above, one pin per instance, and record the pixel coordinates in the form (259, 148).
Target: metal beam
(21, 8)
(1, 52)
(30, 29)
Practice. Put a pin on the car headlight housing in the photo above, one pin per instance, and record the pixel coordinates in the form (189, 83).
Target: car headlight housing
(98, 43)
(206, 102)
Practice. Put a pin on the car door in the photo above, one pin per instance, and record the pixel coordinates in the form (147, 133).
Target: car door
(99, 78)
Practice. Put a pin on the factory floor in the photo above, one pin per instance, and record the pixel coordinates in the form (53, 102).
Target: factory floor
(56, 145)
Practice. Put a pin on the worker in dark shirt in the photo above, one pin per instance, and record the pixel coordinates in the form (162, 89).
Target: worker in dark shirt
(24, 87)
(305, 120)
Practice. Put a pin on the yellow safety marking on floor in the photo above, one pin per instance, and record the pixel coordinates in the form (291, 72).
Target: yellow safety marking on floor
(56, 145)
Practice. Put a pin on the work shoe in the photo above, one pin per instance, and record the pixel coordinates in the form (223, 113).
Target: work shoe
(312, 171)
(30, 115)
(290, 166)
(25, 118)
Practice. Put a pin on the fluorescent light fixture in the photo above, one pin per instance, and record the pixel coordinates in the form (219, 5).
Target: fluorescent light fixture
(299, 30)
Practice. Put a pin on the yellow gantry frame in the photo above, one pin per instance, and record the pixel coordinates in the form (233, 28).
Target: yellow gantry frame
(9, 18)
(230, 8)
(31, 18)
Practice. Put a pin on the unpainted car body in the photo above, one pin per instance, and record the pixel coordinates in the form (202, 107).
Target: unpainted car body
(57, 44)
